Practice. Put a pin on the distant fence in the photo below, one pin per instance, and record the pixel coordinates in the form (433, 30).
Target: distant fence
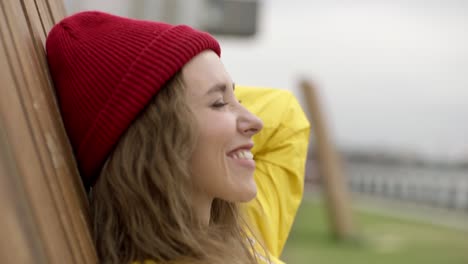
(438, 187)
(446, 188)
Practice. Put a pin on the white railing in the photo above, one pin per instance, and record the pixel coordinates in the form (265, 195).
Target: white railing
(446, 188)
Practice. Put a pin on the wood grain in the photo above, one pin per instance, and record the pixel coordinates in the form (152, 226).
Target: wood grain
(46, 204)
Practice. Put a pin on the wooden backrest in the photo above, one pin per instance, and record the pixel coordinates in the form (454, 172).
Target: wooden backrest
(44, 210)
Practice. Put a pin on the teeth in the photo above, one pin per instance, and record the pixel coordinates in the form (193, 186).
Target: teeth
(243, 154)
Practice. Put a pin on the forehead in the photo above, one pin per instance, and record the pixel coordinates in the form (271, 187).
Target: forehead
(203, 72)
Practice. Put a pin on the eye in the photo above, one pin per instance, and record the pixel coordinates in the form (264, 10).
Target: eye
(219, 104)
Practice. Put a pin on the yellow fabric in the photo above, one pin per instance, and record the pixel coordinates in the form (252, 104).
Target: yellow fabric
(280, 153)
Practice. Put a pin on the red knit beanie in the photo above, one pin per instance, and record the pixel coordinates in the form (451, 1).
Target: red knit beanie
(106, 69)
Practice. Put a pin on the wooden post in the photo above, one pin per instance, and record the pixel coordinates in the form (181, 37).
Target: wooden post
(336, 193)
(43, 206)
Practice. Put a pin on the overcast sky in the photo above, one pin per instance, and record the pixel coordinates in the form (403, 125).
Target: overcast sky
(391, 74)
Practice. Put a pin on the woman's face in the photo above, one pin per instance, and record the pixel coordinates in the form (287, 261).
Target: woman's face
(222, 164)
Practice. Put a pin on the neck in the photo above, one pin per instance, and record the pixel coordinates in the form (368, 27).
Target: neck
(202, 208)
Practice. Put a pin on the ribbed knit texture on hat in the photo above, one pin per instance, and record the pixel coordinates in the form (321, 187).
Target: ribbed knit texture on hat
(106, 69)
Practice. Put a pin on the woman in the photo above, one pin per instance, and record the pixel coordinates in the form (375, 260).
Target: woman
(166, 147)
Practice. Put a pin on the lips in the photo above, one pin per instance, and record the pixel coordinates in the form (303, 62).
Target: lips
(243, 156)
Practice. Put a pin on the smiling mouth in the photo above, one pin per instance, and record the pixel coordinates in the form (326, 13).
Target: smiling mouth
(241, 154)
(243, 158)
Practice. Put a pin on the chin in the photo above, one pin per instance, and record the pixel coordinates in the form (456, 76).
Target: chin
(248, 194)
(250, 198)
(243, 195)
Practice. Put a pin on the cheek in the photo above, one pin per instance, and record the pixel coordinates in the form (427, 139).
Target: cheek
(209, 172)
(216, 130)
(212, 141)
(208, 160)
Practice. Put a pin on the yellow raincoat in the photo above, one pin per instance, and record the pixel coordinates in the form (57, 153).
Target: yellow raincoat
(280, 154)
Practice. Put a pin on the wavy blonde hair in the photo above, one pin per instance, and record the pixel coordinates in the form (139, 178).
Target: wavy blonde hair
(140, 205)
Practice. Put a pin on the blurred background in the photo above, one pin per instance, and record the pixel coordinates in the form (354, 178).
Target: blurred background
(391, 81)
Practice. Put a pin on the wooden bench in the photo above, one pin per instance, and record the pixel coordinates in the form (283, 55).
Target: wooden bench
(44, 217)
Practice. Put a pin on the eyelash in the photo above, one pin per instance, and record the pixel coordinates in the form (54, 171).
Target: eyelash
(222, 104)
(219, 105)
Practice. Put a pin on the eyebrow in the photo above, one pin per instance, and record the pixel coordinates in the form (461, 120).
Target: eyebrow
(220, 87)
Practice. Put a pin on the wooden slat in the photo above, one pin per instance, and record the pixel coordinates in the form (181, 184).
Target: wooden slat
(56, 9)
(25, 152)
(44, 12)
(20, 241)
(17, 227)
(51, 104)
(34, 131)
(34, 21)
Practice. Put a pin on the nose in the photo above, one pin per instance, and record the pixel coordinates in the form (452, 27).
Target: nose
(248, 123)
